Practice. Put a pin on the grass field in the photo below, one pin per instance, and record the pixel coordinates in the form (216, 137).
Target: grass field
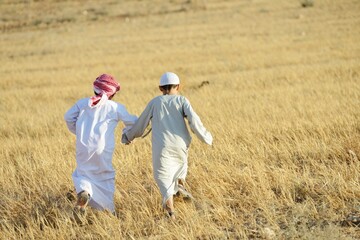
(282, 102)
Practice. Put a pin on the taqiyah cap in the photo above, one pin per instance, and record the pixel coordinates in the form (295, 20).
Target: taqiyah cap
(169, 78)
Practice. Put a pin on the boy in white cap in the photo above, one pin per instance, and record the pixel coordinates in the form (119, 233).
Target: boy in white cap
(170, 137)
(93, 121)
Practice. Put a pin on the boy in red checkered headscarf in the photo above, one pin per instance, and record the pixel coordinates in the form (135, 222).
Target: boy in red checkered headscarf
(93, 121)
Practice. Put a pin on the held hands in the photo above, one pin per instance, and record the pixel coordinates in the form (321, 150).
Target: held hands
(125, 140)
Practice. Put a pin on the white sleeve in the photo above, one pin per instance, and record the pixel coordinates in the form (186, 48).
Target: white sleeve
(127, 118)
(196, 125)
(71, 117)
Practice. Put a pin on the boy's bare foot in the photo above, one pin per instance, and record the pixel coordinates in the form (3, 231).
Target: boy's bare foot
(172, 216)
(83, 199)
(171, 213)
(187, 195)
(169, 207)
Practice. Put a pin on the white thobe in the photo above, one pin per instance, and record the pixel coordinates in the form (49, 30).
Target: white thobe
(94, 127)
(170, 138)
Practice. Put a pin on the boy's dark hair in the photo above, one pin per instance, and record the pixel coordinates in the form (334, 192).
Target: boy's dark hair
(167, 88)
(97, 94)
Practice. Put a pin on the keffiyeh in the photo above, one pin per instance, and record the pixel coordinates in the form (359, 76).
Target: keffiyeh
(105, 86)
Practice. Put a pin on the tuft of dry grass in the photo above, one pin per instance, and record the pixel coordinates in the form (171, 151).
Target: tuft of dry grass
(277, 85)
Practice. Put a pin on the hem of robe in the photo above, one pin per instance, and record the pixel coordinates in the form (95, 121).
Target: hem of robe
(169, 166)
(83, 183)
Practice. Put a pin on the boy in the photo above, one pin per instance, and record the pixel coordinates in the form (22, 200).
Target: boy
(93, 121)
(170, 137)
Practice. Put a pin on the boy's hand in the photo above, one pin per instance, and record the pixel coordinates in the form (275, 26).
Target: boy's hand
(125, 140)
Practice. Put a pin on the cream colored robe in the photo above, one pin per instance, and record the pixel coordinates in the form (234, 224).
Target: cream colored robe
(170, 138)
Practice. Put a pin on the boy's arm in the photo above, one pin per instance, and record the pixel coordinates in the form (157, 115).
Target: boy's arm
(139, 127)
(196, 125)
(127, 118)
(71, 116)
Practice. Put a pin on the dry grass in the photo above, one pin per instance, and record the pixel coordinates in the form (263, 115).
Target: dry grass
(282, 103)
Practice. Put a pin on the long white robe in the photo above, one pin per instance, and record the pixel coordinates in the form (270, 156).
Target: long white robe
(94, 127)
(170, 138)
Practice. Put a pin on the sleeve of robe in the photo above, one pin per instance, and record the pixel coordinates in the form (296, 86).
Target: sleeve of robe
(126, 118)
(195, 124)
(139, 127)
(71, 116)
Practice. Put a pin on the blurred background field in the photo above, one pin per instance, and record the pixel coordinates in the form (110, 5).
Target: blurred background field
(277, 83)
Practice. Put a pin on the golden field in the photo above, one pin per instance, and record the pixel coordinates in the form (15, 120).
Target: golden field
(282, 102)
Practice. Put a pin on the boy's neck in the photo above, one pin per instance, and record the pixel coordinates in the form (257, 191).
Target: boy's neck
(173, 91)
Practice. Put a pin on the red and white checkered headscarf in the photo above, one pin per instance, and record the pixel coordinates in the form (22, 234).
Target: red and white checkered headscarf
(106, 85)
